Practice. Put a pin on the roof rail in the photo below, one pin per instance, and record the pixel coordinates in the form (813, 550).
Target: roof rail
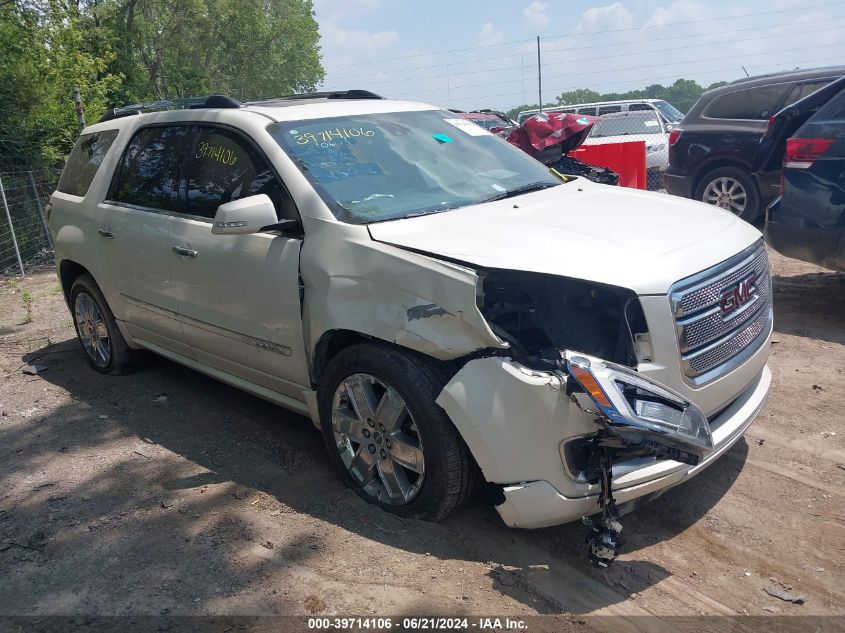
(211, 101)
(333, 94)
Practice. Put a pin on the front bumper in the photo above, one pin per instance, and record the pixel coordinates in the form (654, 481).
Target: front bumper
(515, 421)
(537, 504)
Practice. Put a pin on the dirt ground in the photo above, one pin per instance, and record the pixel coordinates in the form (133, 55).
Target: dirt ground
(165, 492)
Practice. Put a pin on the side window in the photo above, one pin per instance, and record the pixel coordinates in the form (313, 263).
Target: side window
(750, 104)
(83, 162)
(802, 90)
(638, 107)
(590, 111)
(609, 109)
(225, 167)
(833, 110)
(151, 169)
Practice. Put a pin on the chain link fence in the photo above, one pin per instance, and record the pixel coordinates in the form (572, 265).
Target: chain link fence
(646, 126)
(24, 238)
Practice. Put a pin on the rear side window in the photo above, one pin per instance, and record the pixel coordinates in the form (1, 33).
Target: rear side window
(833, 110)
(590, 111)
(802, 90)
(637, 107)
(609, 109)
(151, 168)
(226, 167)
(84, 160)
(750, 104)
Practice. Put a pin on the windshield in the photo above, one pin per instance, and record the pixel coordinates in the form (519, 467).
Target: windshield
(672, 114)
(377, 167)
(625, 125)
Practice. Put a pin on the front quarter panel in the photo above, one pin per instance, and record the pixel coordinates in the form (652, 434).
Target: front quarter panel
(354, 283)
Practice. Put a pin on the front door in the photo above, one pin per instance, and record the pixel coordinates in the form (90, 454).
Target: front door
(239, 295)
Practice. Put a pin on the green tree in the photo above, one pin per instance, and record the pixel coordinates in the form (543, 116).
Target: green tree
(682, 94)
(45, 57)
(581, 95)
(127, 51)
(243, 48)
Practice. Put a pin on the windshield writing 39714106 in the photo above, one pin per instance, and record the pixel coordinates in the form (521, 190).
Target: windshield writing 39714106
(327, 136)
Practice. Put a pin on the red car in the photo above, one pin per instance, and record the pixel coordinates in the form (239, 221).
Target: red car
(492, 121)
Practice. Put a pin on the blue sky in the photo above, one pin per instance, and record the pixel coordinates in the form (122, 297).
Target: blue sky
(472, 55)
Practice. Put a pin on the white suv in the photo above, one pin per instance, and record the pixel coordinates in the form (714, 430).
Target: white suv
(439, 304)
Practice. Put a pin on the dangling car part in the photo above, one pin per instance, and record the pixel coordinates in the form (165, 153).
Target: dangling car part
(635, 413)
(549, 137)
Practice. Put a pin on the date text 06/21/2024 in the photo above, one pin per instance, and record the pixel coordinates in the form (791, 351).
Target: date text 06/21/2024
(417, 623)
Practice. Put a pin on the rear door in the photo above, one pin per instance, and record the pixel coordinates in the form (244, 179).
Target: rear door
(134, 226)
(239, 295)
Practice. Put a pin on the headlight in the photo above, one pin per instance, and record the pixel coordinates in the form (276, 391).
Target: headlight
(640, 411)
(651, 149)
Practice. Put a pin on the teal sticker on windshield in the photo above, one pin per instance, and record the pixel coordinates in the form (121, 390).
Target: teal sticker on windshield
(582, 121)
(442, 138)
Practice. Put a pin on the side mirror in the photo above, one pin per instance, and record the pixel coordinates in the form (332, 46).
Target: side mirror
(247, 215)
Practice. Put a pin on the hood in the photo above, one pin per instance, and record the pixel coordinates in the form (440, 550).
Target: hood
(623, 237)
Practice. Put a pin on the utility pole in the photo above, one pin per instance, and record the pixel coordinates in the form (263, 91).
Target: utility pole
(79, 107)
(539, 76)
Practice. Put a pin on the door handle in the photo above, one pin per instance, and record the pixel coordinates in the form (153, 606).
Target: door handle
(106, 234)
(187, 252)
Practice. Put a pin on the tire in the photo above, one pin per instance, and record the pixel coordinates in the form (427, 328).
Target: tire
(735, 188)
(365, 452)
(106, 351)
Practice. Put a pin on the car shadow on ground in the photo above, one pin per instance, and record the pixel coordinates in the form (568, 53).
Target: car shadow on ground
(241, 448)
(811, 305)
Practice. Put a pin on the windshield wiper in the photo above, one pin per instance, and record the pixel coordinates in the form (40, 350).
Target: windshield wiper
(518, 191)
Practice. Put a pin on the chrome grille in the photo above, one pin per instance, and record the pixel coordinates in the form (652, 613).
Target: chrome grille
(707, 338)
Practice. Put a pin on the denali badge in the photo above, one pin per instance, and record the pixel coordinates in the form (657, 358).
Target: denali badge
(734, 298)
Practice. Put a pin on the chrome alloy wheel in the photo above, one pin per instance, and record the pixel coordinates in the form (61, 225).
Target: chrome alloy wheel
(727, 193)
(378, 439)
(92, 329)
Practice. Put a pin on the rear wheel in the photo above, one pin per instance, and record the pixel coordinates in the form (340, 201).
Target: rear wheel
(104, 345)
(732, 189)
(394, 445)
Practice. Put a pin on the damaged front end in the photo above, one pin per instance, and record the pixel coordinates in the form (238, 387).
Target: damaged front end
(545, 318)
(636, 414)
(595, 334)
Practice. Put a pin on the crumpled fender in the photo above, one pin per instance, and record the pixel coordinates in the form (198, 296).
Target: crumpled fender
(389, 293)
(513, 420)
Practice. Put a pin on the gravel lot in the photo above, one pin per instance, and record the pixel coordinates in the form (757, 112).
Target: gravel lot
(165, 492)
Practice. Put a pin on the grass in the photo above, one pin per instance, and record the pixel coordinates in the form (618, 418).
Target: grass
(26, 297)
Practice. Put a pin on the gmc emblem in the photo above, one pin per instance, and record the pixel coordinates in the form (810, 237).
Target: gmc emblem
(734, 298)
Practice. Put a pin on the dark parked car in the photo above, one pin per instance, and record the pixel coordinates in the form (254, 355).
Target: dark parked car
(804, 153)
(711, 151)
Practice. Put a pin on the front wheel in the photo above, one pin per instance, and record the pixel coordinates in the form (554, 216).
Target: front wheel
(732, 189)
(394, 445)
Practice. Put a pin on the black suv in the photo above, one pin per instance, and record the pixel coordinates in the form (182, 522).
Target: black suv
(710, 152)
